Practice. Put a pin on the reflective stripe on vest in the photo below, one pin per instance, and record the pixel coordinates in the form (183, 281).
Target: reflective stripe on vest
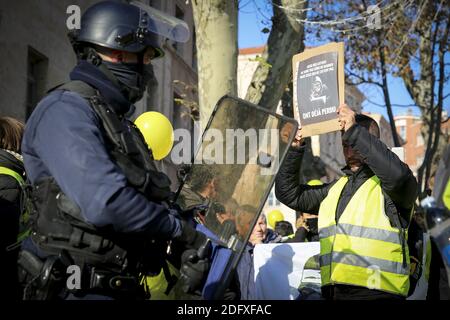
(446, 195)
(12, 173)
(362, 249)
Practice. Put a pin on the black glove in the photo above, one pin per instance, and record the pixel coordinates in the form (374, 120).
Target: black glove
(190, 237)
(193, 272)
(190, 212)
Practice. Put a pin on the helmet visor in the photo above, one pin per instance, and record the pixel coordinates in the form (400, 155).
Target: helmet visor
(162, 24)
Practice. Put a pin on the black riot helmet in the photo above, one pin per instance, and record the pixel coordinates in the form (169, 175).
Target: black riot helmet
(135, 28)
(128, 27)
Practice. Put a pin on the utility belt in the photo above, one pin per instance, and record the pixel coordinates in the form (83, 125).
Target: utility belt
(110, 263)
(53, 279)
(57, 225)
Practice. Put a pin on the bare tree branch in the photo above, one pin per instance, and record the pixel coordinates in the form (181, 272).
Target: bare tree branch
(362, 79)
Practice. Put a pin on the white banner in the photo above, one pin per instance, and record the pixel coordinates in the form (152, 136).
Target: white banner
(280, 269)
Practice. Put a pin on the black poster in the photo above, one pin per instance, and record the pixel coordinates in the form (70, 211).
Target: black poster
(317, 88)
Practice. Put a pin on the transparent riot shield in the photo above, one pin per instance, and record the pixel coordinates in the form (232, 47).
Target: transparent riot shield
(233, 172)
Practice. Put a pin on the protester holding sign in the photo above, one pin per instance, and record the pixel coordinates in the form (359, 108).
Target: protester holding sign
(363, 216)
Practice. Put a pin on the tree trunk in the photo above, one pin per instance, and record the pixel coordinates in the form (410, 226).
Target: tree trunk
(440, 100)
(216, 32)
(275, 70)
(273, 73)
(422, 89)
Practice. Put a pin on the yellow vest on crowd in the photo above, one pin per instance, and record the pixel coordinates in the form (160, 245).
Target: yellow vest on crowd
(362, 249)
(158, 285)
(23, 233)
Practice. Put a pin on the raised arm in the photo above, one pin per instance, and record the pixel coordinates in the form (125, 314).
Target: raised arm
(396, 178)
(288, 189)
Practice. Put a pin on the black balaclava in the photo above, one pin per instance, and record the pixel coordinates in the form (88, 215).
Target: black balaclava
(132, 77)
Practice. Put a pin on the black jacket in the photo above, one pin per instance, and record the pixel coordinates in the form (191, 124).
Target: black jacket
(397, 181)
(10, 209)
(303, 235)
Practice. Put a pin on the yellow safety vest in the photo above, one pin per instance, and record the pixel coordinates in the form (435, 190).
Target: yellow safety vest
(23, 233)
(158, 285)
(362, 249)
(446, 195)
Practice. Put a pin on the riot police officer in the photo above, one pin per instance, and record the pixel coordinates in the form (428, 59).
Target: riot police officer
(99, 204)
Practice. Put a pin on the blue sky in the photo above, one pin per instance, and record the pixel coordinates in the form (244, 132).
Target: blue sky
(254, 15)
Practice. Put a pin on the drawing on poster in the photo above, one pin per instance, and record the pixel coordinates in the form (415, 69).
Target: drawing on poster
(317, 88)
(318, 83)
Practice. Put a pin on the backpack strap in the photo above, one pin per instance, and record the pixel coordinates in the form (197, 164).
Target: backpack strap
(12, 173)
(24, 214)
(80, 87)
(111, 123)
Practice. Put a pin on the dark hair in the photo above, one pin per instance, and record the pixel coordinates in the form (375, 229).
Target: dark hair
(284, 228)
(11, 133)
(200, 176)
(218, 208)
(370, 124)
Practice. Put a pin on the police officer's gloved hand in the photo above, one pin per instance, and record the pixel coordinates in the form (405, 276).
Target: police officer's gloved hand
(190, 237)
(193, 271)
(189, 213)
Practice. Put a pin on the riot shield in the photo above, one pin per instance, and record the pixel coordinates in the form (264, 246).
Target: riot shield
(233, 171)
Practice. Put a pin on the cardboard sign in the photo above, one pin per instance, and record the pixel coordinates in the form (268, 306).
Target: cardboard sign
(318, 88)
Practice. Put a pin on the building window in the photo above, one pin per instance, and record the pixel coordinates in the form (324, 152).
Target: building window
(37, 65)
(271, 199)
(402, 132)
(419, 140)
(179, 14)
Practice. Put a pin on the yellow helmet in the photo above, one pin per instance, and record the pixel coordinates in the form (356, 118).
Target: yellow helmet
(158, 133)
(273, 217)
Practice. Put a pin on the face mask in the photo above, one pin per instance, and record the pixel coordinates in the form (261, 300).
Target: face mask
(132, 77)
